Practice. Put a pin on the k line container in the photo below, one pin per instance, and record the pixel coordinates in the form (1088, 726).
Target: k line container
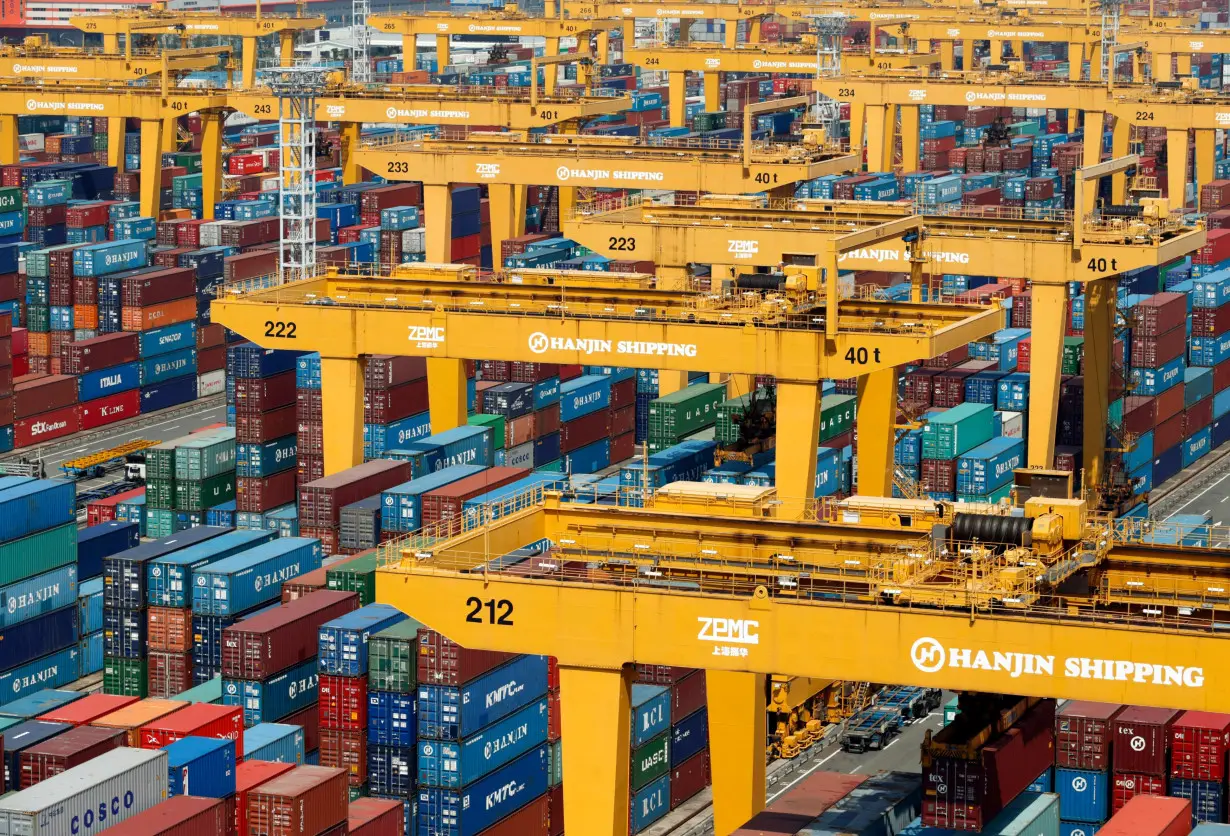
(247, 580)
(454, 713)
(343, 641)
(467, 812)
(271, 642)
(458, 764)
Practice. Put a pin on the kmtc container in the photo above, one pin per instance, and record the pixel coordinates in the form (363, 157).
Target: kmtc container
(1142, 739)
(179, 816)
(200, 720)
(467, 812)
(169, 577)
(308, 799)
(38, 595)
(278, 742)
(392, 658)
(201, 766)
(343, 641)
(1083, 734)
(90, 798)
(125, 573)
(458, 764)
(454, 713)
(247, 580)
(259, 647)
(402, 504)
(65, 751)
(275, 698)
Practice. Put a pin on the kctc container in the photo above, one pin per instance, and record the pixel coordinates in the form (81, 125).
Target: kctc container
(64, 751)
(309, 799)
(1083, 733)
(1142, 738)
(179, 816)
(263, 645)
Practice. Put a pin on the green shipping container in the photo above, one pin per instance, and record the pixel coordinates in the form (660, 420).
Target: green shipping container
(729, 416)
(358, 792)
(185, 183)
(10, 199)
(206, 454)
(684, 412)
(159, 493)
(38, 553)
(358, 575)
(837, 413)
(1073, 353)
(651, 761)
(198, 495)
(125, 677)
(497, 424)
(100, 142)
(556, 466)
(189, 160)
(1115, 412)
(160, 460)
(958, 430)
(206, 692)
(392, 657)
(163, 522)
(38, 318)
(951, 711)
(555, 764)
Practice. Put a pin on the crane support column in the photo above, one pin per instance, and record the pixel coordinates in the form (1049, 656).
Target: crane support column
(170, 135)
(111, 44)
(1094, 121)
(948, 56)
(1048, 317)
(341, 389)
(713, 90)
(507, 215)
(211, 162)
(997, 50)
(351, 173)
(1206, 160)
(604, 46)
(248, 65)
(678, 83)
(879, 137)
(550, 72)
(286, 48)
(1076, 57)
(1095, 62)
(446, 393)
(736, 384)
(443, 43)
(909, 138)
(670, 382)
(438, 213)
(596, 706)
(115, 142)
(877, 420)
(858, 115)
(736, 746)
(1163, 66)
(151, 161)
(967, 55)
(10, 149)
(730, 34)
(798, 403)
(1099, 339)
(1120, 138)
(409, 52)
(1176, 167)
(1183, 64)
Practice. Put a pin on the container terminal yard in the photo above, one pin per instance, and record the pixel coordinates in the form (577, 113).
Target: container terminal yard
(815, 412)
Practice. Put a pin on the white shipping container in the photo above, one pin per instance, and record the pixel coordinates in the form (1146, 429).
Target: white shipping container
(88, 799)
(270, 184)
(211, 383)
(414, 240)
(1012, 424)
(32, 142)
(211, 233)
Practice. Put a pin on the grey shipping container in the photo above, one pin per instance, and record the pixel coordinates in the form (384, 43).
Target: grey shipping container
(361, 524)
(87, 799)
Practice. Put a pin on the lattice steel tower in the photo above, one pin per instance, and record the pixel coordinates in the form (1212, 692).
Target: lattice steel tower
(830, 32)
(1110, 36)
(297, 89)
(361, 58)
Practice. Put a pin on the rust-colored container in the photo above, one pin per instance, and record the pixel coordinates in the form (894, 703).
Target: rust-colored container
(309, 799)
(198, 720)
(157, 316)
(248, 776)
(1151, 815)
(266, 394)
(321, 501)
(169, 674)
(343, 702)
(208, 336)
(264, 494)
(132, 717)
(577, 433)
(442, 661)
(1199, 741)
(689, 778)
(346, 750)
(1127, 785)
(309, 582)
(158, 287)
(939, 475)
(73, 748)
(534, 819)
(45, 393)
(1083, 734)
(797, 807)
(386, 371)
(250, 265)
(623, 447)
(180, 815)
(546, 420)
(1153, 352)
(519, 430)
(99, 353)
(309, 719)
(87, 709)
(1210, 322)
(1160, 313)
(688, 695)
(553, 716)
(259, 427)
(383, 406)
(268, 643)
(247, 233)
(443, 505)
(376, 817)
(555, 807)
(1142, 740)
(169, 629)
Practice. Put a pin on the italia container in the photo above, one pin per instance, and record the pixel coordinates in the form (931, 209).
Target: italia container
(958, 430)
(65, 751)
(273, 641)
(125, 573)
(169, 578)
(1142, 740)
(461, 445)
(90, 798)
(244, 581)
(200, 720)
(201, 766)
(277, 742)
(279, 696)
(989, 466)
(38, 595)
(109, 257)
(466, 812)
(457, 764)
(454, 713)
(343, 641)
(402, 504)
(179, 816)
(1083, 734)
(1029, 814)
(308, 799)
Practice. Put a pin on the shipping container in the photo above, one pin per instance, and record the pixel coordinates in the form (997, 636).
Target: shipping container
(456, 712)
(1142, 739)
(65, 751)
(217, 721)
(392, 658)
(466, 812)
(86, 710)
(456, 764)
(125, 572)
(201, 766)
(244, 581)
(132, 717)
(1151, 815)
(1083, 733)
(248, 776)
(279, 742)
(343, 641)
(169, 580)
(379, 817)
(178, 816)
(321, 501)
(1199, 742)
(261, 646)
(308, 799)
(391, 719)
(275, 698)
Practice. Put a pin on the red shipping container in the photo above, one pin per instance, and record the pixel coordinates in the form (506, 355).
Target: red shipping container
(88, 214)
(1154, 352)
(268, 643)
(519, 430)
(343, 702)
(384, 406)
(264, 394)
(35, 395)
(208, 336)
(1210, 322)
(623, 394)
(158, 287)
(1128, 785)
(169, 673)
(554, 727)
(1168, 433)
(546, 420)
(321, 501)
(385, 371)
(1141, 738)
(443, 505)
(211, 359)
(309, 720)
(224, 722)
(248, 776)
(247, 233)
(100, 353)
(623, 447)
(1083, 732)
(795, 808)
(47, 215)
(376, 817)
(1216, 248)
(253, 494)
(577, 433)
(87, 709)
(47, 426)
(103, 411)
(688, 695)
(442, 661)
(939, 475)
(1221, 376)
(623, 421)
(309, 799)
(948, 387)
(1199, 742)
(1150, 815)
(1160, 313)
(64, 751)
(689, 778)
(250, 265)
(345, 750)
(169, 630)
(988, 196)
(239, 164)
(534, 819)
(555, 806)
(181, 815)
(1197, 417)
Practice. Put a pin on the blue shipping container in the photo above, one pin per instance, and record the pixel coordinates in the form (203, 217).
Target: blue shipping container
(390, 718)
(583, 395)
(90, 604)
(1078, 828)
(274, 742)
(243, 581)
(99, 541)
(270, 700)
(38, 595)
(35, 506)
(466, 812)
(166, 395)
(202, 767)
(651, 803)
(343, 641)
(1084, 795)
(58, 668)
(28, 640)
(39, 703)
(261, 460)
(1208, 798)
(989, 466)
(447, 712)
(401, 505)
(168, 366)
(168, 339)
(461, 445)
(444, 763)
(125, 572)
(390, 770)
(689, 736)
(169, 578)
(1196, 447)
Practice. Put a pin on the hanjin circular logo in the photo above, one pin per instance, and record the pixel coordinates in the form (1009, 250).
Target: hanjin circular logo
(970, 96)
(391, 113)
(1079, 784)
(562, 173)
(294, 689)
(31, 104)
(17, 69)
(259, 583)
(1128, 783)
(756, 65)
(1076, 831)
(428, 750)
(539, 342)
(1137, 743)
(927, 654)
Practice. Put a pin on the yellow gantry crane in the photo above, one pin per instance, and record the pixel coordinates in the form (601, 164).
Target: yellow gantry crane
(35, 61)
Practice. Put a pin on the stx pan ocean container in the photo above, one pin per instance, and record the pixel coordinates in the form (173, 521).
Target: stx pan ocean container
(466, 812)
(261, 646)
(169, 577)
(458, 764)
(247, 580)
(454, 713)
(181, 815)
(309, 799)
(90, 798)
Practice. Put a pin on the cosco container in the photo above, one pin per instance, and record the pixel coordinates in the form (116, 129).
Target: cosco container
(247, 580)
(466, 812)
(125, 573)
(454, 713)
(279, 742)
(201, 766)
(266, 701)
(97, 795)
(457, 764)
(261, 646)
(308, 799)
(343, 641)
(650, 761)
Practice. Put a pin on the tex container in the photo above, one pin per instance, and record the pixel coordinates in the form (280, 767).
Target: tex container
(273, 641)
(93, 797)
(1142, 740)
(1083, 735)
(455, 764)
(454, 713)
(277, 742)
(199, 720)
(308, 799)
(402, 504)
(65, 751)
(169, 577)
(269, 700)
(179, 816)
(201, 766)
(124, 573)
(244, 581)
(343, 642)
(38, 595)
(467, 812)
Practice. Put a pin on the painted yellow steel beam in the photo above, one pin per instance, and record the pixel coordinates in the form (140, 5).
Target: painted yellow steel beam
(229, 25)
(989, 90)
(770, 58)
(495, 23)
(69, 66)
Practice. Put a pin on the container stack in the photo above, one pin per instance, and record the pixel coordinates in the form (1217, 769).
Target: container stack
(321, 500)
(343, 665)
(391, 386)
(392, 758)
(1199, 743)
(1140, 753)
(1084, 740)
(674, 417)
(309, 418)
(650, 783)
(520, 402)
(260, 398)
(946, 437)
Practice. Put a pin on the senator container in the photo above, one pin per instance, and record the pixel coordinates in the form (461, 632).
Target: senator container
(201, 766)
(308, 799)
(248, 776)
(1150, 815)
(402, 504)
(22, 736)
(244, 581)
(466, 812)
(1142, 739)
(457, 764)
(200, 720)
(261, 646)
(90, 798)
(454, 713)
(87, 709)
(167, 339)
(181, 815)
(274, 698)
(1083, 734)
(1199, 741)
(169, 577)
(279, 742)
(125, 574)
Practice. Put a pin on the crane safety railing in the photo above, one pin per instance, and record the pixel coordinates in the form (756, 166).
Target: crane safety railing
(1180, 534)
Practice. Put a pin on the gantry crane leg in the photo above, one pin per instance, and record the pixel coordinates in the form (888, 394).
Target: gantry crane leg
(341, 389)
(508, 204)
(248, 63)
(1120, 139)
(170, 134)
(1095, 62)
(351, 172)
(111, 44)
(286, 48)
(737, 732)
(10, 149)
(443, 43)
(1176, 167)
(211, 162)
(1018, 49)
(151, 161)
(799, 433)
(1092, 152)
(753, 31)
(1076, 58)
(604, 46)
(446, 394)
(997, 50)
(1206, 159)
(880, 137)
(409, 52)
(858, 116)
(1183, 64)
(909, 138)
(670, 382)
(596, 711)
(877, 419)
(115, 142)
(550, 71)
(438, 220)
(685, 30)
(1099, 340)
(948, 60)
(967, 55)
(678, 83)
(736, 384)
(1048, 318)
(713, 90)
(1163, 67)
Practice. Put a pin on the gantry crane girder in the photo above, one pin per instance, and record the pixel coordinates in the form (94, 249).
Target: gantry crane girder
(442, 314)
(596, 619)
(53, 65)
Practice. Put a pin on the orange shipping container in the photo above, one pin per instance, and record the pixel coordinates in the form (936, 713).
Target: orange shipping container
(158, 316)
(40, 343)
(131, 718)
(85, 316)
(170, 630)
